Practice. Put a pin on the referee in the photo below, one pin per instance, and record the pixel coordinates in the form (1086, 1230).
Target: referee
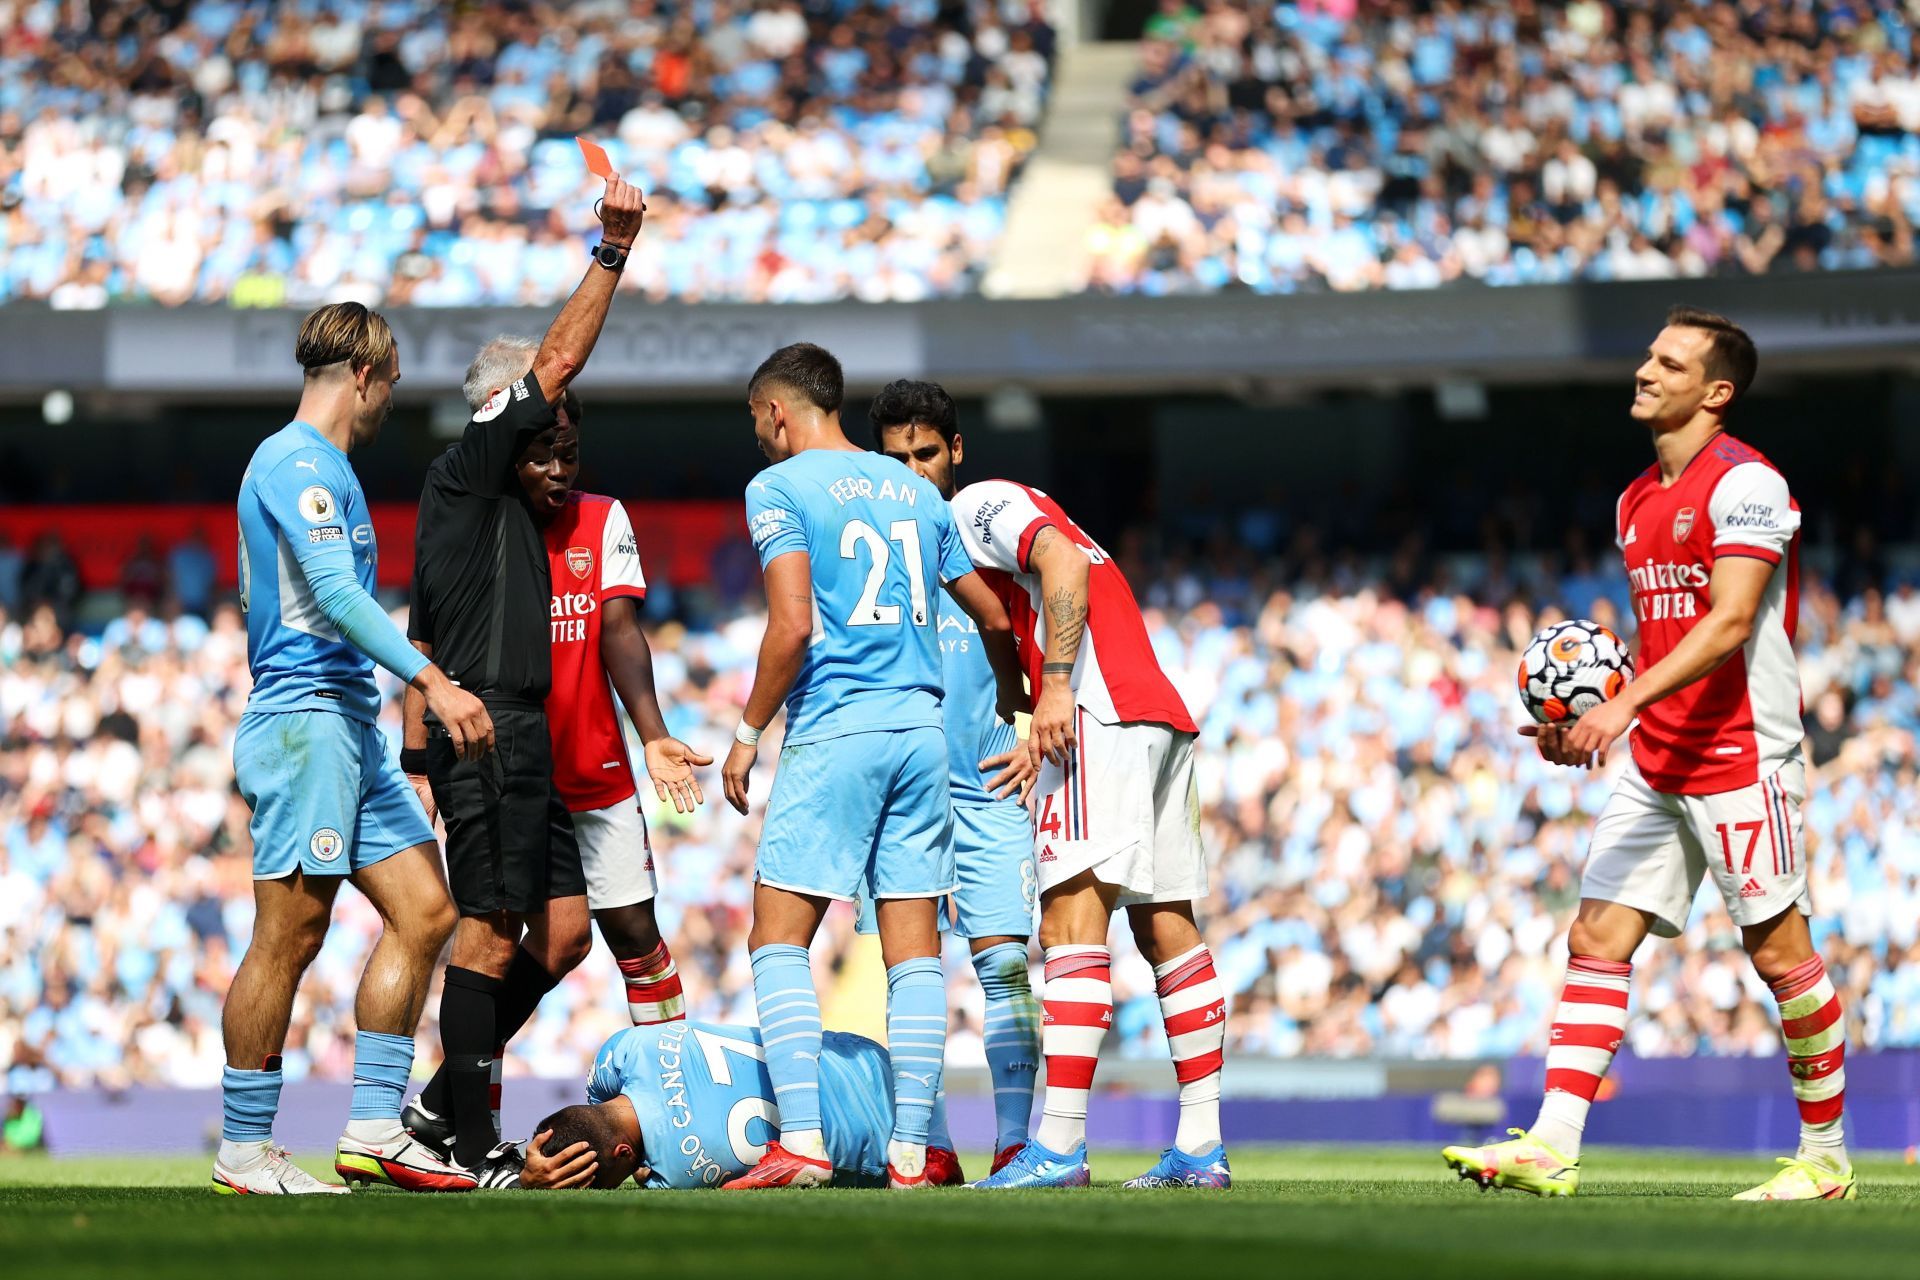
(480, 603)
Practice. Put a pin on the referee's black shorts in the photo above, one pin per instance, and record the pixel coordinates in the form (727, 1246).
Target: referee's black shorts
(510, 843)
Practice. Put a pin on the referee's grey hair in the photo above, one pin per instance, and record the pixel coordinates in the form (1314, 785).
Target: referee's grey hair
(499, 363)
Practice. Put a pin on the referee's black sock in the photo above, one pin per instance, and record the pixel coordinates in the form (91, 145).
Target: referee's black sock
(518, 995)
(468, 1005)
(521, 991)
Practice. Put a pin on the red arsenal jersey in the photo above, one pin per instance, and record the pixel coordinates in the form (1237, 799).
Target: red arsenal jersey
(1735, 726)
(593, 558)
(1116, 676)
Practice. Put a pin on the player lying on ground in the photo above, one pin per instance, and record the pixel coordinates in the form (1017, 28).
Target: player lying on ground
(1714, 786)
(1117, 817)
(993, 907)
(854, 548)
(598, 648)
(327, 802)
(481, 593)
(687, 1105)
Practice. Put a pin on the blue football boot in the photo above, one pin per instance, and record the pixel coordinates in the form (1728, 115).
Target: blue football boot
(1036, 1166)
(1178, 1169)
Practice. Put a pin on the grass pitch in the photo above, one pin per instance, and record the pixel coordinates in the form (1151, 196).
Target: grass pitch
(1293, 1212)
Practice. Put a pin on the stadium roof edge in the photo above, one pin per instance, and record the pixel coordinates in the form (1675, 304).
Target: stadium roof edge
(1219, 343)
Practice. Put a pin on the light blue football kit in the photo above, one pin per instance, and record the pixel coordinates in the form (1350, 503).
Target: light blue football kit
(860, 798)
(706, 1108)
(861, 793)
(326, 796)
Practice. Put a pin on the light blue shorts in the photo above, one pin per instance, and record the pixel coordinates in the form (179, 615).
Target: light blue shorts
(993, 856)
(862, 809)
(326, 797)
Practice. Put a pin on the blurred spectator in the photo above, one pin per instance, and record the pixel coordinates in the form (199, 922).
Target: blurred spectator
(191, 571)
(281, 153)
(50, 577)
(1314, 146)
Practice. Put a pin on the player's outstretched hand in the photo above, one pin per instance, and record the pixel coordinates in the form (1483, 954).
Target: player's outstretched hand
(465, 717)
(734, 774)
(622, 210)
(1017, 772)
(670, 763)
(1052, 732)
(1552, 741)
(574, 1167)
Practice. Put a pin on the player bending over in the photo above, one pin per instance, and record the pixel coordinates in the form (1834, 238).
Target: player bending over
(598, 649)
(854, 547)
(1117, 822)
(328, 803)
(687, 1105)
(1714, 786)
(992, 831)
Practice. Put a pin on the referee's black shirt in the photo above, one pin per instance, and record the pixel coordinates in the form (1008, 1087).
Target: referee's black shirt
(481, 586)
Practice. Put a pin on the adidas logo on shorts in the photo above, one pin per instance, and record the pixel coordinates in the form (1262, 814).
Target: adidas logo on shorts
(1752, 889)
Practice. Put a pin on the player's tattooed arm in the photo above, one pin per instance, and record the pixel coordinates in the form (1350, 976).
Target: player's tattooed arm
(1065, 578)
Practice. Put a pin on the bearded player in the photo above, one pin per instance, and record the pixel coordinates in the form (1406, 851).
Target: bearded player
(599, 650)
(1116, 821)
(1715, 782)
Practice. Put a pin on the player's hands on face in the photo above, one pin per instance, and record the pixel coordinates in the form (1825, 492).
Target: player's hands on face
(622, 210)
(1594, 733)
(1016, 772)
(670, 763)
(465, 718)
(574, 1167)
(1052, 732)
(733, 774)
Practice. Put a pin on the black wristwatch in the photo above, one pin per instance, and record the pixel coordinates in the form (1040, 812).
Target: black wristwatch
(610, 256)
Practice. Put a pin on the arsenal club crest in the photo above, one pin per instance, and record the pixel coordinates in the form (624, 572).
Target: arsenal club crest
(1683, 524)
(580, 560)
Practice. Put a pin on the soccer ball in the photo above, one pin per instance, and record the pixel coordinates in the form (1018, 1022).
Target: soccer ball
(1570, 668)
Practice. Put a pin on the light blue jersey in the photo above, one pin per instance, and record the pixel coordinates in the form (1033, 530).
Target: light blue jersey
(880, 543)
(706, 1107)
(307, 559)
(975, 730)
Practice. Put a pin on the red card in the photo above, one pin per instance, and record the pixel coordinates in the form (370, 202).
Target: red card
(597, 163)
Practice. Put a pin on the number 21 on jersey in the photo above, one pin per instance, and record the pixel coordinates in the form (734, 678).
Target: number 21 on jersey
(869, 612)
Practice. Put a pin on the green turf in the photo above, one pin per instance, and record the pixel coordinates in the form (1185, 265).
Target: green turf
(1294, 1212)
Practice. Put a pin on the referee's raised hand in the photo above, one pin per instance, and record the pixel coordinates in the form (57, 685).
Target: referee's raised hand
(621, 210)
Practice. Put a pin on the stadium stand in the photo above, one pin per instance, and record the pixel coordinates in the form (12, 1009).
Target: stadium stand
(1394, 867)
(405, 153)
(1363, 144)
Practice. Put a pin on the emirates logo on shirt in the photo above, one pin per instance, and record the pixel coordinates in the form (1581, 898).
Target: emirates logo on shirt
(580, 561)
(1682, 524)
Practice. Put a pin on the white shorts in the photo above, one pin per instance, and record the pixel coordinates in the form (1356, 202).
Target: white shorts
(616, 855)
(1651, 849)
(1126, 807)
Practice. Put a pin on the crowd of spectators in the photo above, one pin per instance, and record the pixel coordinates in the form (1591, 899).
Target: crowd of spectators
(1406, 144)
(1393, 868)
(270, 152)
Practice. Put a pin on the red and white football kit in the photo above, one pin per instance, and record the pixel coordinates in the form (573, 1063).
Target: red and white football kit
(1716, 780)
(593, 559)
(1125, 803)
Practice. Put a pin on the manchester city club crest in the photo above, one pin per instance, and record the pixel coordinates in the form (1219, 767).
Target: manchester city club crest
(1683, 524)
(326, 844)
(580, 560)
